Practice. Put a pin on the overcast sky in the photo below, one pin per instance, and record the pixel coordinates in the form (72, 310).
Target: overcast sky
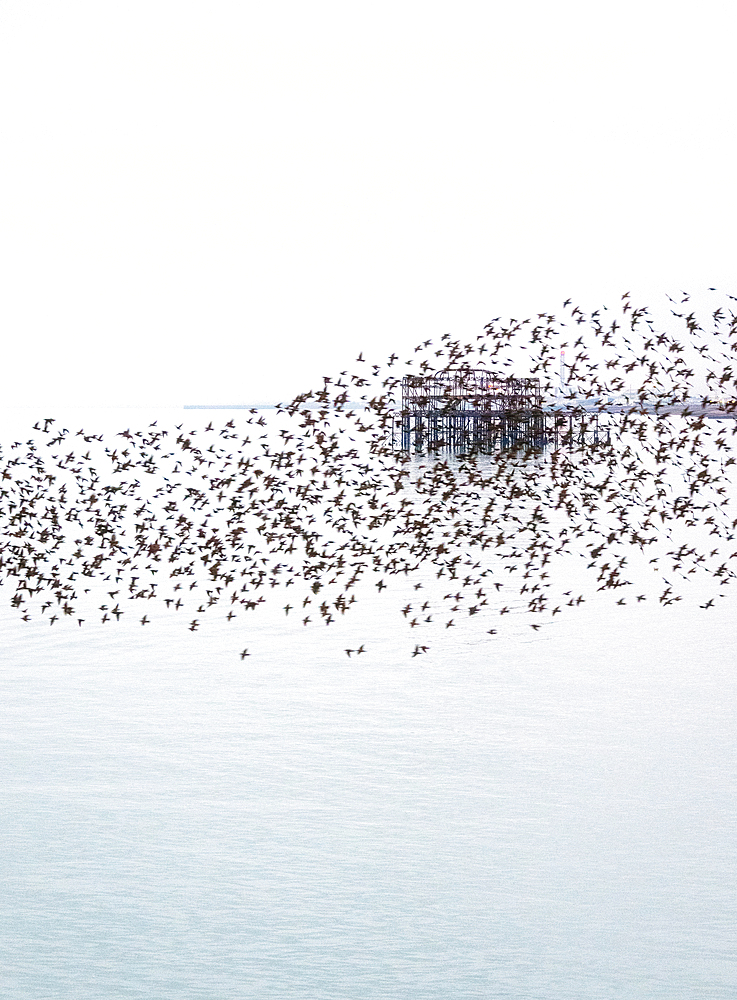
(219, 202)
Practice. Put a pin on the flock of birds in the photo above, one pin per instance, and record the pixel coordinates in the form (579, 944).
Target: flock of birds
(319, 499)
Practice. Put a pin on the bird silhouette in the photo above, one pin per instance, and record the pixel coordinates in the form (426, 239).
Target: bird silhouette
(620, 457)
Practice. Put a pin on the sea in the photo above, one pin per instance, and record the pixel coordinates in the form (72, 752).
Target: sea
(532, 815)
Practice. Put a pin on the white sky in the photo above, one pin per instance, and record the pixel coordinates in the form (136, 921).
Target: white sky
(219, 202)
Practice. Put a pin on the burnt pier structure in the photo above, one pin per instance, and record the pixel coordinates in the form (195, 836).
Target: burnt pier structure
(471, 409)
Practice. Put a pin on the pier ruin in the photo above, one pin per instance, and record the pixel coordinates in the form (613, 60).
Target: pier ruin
(472, 409)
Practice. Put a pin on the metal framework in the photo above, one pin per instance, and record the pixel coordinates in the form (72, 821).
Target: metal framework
(474, 409)
(461, 408)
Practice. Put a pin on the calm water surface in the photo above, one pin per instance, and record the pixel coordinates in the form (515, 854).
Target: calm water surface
(535, 817)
